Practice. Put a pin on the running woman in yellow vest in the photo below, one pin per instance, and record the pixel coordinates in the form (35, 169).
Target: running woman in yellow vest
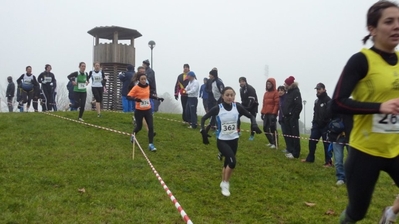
(80, 80)
(371, 77)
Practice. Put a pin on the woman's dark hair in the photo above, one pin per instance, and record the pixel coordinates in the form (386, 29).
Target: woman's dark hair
(28, 67)
(46, 66)
(281, 88)
(81, 63)
(375, 12)
(227, 88)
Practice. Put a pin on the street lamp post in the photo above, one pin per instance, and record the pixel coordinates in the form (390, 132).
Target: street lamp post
(304, 116)
(151, 44)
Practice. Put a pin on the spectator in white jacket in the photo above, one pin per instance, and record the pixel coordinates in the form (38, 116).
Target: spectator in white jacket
(192, 90)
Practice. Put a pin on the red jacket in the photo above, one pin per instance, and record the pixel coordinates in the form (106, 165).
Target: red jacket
(271, 99)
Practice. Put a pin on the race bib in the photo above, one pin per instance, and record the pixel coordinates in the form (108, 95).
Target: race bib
(385, 123)
(47, 79)
(27, 81)
(81, 85)
(97, 79)
(145, 103)
(229, 128)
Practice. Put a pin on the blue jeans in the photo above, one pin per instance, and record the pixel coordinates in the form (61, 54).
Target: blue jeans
(316, 133)
(128, 105)
(338, 150)
(191, 110)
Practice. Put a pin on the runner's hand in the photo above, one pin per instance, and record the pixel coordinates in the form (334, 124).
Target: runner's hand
(137, 100)
(205, 137)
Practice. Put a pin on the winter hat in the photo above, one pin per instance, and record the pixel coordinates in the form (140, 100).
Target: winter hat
(9, 78)
(192, 74)
(186, 66)
(130, 67)
(242, 79)
(214, 73)
(205, 79)
(289, 80)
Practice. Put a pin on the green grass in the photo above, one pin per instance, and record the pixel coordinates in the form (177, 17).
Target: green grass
(44, 160)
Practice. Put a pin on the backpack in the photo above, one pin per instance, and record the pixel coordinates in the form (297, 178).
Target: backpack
(336, 126)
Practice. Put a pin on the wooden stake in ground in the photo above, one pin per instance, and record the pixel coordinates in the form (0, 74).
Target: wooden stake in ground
(276, 138)
(134, 143)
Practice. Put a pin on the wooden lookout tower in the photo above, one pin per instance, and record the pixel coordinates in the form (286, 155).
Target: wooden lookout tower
(114, 58)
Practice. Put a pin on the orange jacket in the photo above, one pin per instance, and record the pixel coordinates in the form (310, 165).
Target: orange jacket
(271, 99)
(142, 93)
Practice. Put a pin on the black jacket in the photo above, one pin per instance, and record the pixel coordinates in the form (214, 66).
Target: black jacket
(126, 79)
(10, 92)
(249, 99)
(293, 102)
(321, 113)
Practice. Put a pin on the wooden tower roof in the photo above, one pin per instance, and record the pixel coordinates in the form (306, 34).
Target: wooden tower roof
(107, 32)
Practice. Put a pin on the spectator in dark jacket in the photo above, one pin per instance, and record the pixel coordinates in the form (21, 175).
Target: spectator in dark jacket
(126, 78)
(321, 119)
(71, 96)
(10, 93)
(249, 100)
(282, 93)
(291, 109)
(204, 95)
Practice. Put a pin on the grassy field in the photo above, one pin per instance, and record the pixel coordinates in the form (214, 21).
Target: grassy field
(44, 160)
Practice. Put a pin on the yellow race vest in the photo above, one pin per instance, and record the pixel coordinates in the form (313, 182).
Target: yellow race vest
(377, 134)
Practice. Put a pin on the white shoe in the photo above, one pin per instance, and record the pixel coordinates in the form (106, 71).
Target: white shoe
(272, 146)
(289, 156)
(225, 188)
(80, 119)
(268, 145)
(340, 182)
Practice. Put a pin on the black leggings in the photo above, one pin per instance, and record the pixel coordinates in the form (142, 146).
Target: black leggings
(147, 115)
(228, 148)
(362, 171)
(269, 127)
(98, 93)
(80, 101)
(48, 97)
(28, 96)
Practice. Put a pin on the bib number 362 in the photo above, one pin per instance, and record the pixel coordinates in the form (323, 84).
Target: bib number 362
(228, 128)
(385, 123)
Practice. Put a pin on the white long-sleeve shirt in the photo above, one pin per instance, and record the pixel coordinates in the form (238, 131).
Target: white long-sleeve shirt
(192, 89)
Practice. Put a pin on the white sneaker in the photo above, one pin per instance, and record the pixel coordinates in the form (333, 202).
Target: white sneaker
(272, 146)
(289, 156)
(340, 182)
(268, 145)
(80, 119)
(385, 219)
(225, 188)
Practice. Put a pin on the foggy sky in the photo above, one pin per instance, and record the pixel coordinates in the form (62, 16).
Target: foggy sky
(308, 39)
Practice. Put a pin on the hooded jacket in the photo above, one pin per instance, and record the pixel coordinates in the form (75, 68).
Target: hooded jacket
(271, 99)
(126, 78)
(292, 106)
